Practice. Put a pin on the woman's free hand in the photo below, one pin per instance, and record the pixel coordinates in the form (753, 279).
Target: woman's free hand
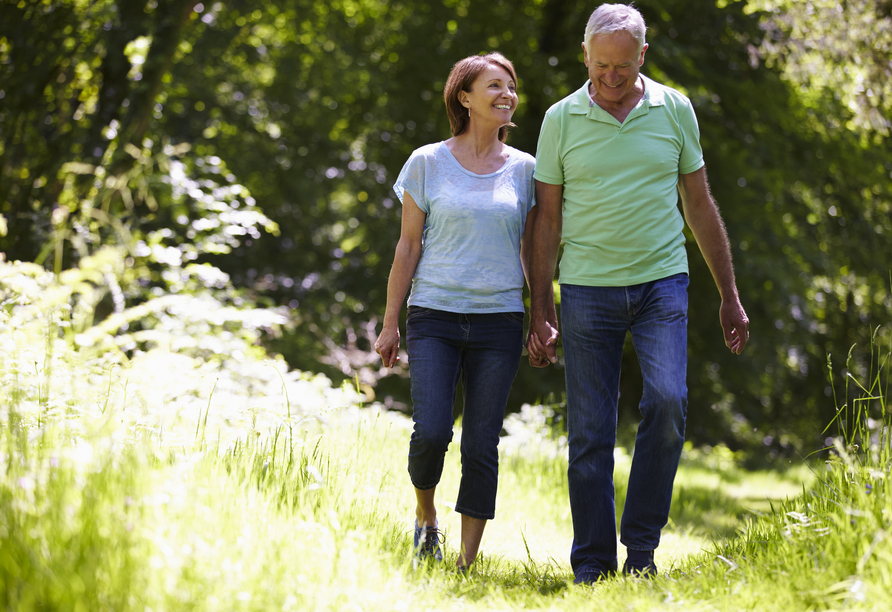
(388, 346)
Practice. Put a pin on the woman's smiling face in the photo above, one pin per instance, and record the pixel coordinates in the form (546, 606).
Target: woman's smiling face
(493, 96)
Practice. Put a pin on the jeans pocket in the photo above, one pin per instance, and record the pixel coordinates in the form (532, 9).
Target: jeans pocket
(416, 312)
(514, 317)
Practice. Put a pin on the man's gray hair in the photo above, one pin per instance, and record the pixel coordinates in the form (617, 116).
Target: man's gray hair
(610, 18)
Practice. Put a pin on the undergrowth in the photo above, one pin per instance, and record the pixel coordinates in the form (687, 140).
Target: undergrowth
(154, 478)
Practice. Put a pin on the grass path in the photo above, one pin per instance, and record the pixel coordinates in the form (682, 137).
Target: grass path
(713, 498)
(96, 521)
(168, 480)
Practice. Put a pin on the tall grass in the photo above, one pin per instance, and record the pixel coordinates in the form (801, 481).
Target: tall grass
(829, 548)
(157, 480)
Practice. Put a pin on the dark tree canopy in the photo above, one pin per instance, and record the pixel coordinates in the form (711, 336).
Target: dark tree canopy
(263, 137)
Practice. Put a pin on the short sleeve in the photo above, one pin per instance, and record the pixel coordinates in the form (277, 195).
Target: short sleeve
(525, 185)
(691, 156)
(549, 168)
(531, 182)
(412, 180)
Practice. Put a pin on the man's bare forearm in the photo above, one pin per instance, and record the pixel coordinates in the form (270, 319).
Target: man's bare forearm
(546, 242)
(703, 217)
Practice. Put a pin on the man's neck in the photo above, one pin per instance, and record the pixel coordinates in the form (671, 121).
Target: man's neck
(620, 110)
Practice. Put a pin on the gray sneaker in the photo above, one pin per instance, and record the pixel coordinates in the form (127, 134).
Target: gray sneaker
(427, 542)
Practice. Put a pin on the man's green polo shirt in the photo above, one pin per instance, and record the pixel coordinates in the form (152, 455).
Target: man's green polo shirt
(621, 222)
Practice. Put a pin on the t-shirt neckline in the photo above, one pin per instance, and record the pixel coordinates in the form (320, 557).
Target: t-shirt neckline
(474, 174)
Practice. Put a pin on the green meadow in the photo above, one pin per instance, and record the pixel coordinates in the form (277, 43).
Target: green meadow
(151, 475)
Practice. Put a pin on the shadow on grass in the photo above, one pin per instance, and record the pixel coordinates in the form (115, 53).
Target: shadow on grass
(713, 498)
(514, 581)
(706, 511)
(713, 495)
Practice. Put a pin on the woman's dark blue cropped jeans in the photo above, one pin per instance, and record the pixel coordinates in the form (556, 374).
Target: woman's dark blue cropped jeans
(485, 350)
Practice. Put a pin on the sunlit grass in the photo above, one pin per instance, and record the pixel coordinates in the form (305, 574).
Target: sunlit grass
(167, 482)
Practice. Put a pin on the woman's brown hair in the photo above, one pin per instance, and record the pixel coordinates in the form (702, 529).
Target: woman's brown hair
(461, 78)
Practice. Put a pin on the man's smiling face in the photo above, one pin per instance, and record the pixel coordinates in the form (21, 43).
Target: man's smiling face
(613, 62)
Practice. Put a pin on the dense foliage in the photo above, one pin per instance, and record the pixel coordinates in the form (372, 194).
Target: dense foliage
(256, 141)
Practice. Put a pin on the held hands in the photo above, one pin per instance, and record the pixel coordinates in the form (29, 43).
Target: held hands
(735, 325)
(542, 343)
(388, 346)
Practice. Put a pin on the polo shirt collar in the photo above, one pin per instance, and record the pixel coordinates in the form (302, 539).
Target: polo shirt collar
(581, 101)
(654, 95)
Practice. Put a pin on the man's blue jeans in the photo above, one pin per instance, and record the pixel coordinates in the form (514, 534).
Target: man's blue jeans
(484, 349)
(595, 321)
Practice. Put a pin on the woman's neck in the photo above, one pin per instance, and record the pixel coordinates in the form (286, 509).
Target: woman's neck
(480, 142)
(479, 152)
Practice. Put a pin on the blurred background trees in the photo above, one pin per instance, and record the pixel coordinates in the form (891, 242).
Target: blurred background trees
(249, 147)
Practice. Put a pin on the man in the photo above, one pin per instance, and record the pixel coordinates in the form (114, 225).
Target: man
(611, 161)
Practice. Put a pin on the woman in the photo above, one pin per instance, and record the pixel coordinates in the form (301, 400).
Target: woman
(468, 206)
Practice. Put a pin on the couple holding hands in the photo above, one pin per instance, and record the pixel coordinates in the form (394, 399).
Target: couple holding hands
(479, 217)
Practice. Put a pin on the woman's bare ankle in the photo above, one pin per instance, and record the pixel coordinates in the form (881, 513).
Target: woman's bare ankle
(425, 519)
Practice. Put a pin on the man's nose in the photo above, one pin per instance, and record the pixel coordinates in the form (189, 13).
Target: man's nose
(613, 77)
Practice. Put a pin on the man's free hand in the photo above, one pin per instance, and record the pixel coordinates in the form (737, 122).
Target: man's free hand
(735, 325)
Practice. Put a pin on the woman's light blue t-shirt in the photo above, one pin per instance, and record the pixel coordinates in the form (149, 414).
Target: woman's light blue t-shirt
(470, 257)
